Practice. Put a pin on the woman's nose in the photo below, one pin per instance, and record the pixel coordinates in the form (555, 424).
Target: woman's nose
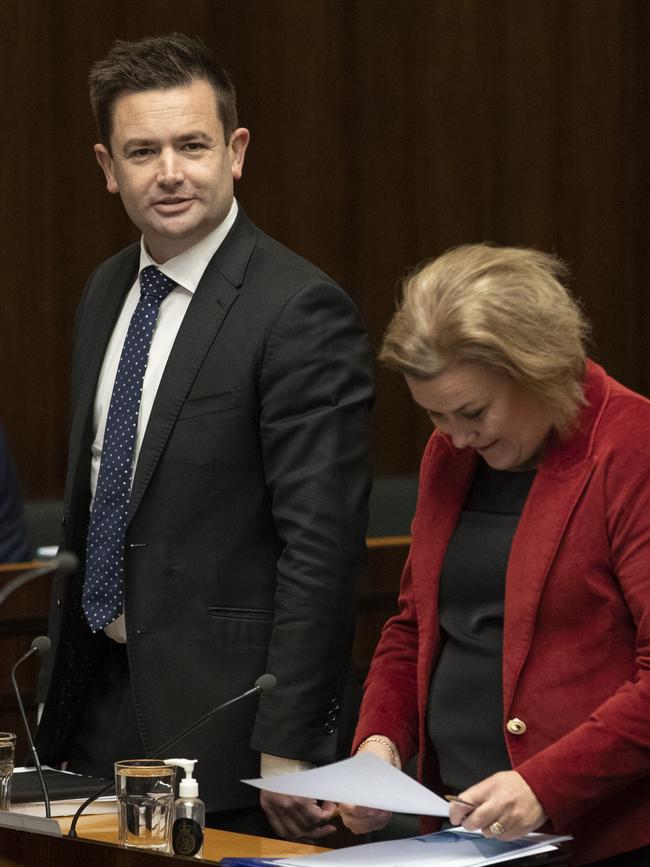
(463, 435)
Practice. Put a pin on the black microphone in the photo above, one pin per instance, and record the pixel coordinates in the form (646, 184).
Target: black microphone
(64, 564)
(264, 683)
(40, 646)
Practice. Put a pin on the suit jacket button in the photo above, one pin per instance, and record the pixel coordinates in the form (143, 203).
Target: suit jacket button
(516, 726)
(332, 715)
(335, 704)
(329, 728)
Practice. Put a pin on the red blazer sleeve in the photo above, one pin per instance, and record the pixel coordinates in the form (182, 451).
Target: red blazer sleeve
(390, 705)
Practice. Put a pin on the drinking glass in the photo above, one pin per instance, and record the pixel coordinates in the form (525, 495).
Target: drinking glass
(145, 803)
(7, 746)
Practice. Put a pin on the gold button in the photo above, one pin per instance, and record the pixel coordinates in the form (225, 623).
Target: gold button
(516, 726)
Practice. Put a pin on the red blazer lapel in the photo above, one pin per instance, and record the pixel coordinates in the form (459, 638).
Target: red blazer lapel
(544, 521)
(446, 476)
(560, 481)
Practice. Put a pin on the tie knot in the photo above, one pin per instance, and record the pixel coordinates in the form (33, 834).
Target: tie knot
(154, 284)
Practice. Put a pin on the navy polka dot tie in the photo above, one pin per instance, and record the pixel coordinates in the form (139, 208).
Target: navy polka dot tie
(103, 592)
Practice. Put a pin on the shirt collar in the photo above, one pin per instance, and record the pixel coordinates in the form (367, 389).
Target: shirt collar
(187, 268)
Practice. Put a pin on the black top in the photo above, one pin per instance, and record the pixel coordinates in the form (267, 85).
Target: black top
(465, 714)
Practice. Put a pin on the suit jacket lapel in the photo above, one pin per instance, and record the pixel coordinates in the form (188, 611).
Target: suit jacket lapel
(99, 312)
(214, 296)
(560, 481)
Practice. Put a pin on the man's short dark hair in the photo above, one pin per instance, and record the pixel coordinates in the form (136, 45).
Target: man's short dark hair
(157, 63)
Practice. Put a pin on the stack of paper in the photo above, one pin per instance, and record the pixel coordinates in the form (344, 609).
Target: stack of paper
(444, 849)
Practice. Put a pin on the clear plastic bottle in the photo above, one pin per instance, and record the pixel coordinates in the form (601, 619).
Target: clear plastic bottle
(189, 813)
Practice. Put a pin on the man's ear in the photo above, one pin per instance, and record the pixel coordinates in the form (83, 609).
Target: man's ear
(238, 143)
(105, 160)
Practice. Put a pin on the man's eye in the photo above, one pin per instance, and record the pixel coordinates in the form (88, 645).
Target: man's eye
(194, 146)
(140, 153)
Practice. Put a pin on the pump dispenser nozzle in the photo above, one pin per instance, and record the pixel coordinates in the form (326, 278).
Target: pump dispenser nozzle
(189, 787)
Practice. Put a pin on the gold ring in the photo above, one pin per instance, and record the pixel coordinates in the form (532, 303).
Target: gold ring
(497, 829)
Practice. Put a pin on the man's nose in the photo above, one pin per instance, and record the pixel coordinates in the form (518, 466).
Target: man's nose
(170, 171)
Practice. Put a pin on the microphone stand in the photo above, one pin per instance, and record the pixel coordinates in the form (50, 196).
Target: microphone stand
(40, 646)
(263, 683)
(258, 688)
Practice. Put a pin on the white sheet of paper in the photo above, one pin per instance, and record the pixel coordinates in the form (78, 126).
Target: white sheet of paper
(364, 780)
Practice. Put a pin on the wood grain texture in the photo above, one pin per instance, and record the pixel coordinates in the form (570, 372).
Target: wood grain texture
(381, 134)
(218, 844)
(96, 845)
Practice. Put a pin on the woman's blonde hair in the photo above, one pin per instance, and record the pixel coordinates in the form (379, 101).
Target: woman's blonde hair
(503, 307)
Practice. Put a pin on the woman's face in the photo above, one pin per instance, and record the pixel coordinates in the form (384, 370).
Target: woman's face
(484, 409)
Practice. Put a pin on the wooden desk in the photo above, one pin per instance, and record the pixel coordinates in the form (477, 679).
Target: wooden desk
(218, 844)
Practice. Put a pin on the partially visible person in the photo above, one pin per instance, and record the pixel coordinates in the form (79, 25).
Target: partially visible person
(518, 666)
(13, 535)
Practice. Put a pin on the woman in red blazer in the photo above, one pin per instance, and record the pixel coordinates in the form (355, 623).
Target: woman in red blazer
(518, 666)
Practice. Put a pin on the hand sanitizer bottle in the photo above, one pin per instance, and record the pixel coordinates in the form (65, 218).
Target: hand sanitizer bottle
(189, 813)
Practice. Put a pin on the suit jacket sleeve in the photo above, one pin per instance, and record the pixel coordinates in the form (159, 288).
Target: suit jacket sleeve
(315, 392)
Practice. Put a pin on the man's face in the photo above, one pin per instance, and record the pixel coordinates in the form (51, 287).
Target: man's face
(171, 165)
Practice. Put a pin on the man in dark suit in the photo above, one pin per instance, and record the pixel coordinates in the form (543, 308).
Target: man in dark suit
(236, 378)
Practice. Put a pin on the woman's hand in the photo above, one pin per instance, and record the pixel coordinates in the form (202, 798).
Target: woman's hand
(362, 820)
(503, 801)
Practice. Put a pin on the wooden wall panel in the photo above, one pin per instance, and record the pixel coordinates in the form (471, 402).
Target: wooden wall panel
(383, 133)
(25, 337)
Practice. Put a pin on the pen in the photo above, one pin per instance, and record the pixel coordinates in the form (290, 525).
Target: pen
(457, 800)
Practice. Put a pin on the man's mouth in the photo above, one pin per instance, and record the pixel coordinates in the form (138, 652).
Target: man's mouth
(172, 204)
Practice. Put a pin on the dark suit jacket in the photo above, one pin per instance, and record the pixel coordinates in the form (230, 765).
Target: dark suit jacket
(576, 638)
(247, 515)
